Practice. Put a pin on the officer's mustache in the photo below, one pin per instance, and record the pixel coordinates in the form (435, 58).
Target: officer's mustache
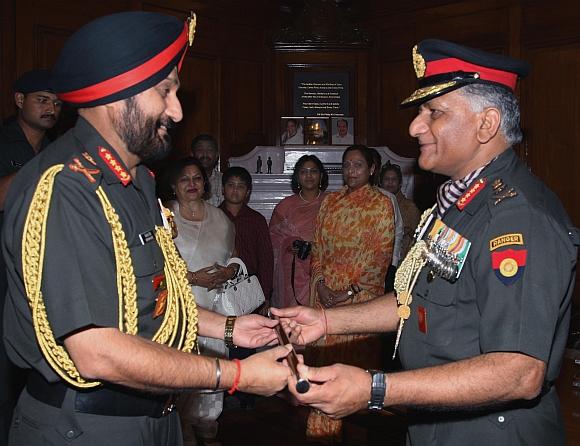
(166, 122)
(48, 115)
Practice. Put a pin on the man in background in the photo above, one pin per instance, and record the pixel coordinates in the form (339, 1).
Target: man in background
(24, 135)
(391, 179)
(21, 138)
(205, 148)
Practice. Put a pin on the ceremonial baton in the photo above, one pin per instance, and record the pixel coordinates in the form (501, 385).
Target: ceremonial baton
(302, 384)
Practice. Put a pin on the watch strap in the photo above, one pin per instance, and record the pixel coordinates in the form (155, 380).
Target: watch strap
(378, 389)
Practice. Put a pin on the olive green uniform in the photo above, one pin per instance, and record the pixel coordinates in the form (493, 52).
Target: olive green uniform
(513, 295)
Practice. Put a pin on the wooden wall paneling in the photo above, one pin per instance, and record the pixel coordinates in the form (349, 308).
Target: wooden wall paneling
(244, 52)
(362, 97)
(397, 81)
(554, 22)
(7, 56)
(243, 107)
(37, 20)
(200, 98)
(550, 98)
(480, 25)
(209, 26)
(48, 42)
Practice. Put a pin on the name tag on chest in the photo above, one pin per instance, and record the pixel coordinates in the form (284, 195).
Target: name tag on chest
(146, 237)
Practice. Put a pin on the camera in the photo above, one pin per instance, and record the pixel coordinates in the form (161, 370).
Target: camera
(303, 248)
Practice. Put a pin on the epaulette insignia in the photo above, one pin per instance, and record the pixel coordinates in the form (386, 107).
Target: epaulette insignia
(77, 166)
(89, 158)
(471, 193)
(501, 192)
(115, 166)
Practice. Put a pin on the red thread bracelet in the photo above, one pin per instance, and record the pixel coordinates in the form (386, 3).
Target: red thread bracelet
(237, 377)
(325, 320)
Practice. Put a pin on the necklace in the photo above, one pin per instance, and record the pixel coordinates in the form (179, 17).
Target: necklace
(188, 211)
(305, 200)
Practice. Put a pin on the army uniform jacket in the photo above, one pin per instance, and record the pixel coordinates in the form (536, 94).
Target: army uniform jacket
(513, 295)
(79, 283)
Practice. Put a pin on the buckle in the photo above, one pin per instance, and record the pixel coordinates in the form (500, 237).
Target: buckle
(168, 409)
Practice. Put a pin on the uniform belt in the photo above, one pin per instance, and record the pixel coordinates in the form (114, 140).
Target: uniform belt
(109, 401)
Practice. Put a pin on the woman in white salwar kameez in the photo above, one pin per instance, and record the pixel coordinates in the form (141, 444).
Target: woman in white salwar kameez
(205, 239)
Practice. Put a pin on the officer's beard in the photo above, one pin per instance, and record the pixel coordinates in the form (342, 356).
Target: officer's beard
(141, 133)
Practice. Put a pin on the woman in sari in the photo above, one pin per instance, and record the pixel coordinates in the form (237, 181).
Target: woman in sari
(353, 245)
(205, 239)
(293, 219)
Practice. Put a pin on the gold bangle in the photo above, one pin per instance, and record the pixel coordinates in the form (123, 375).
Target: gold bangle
(229, 332)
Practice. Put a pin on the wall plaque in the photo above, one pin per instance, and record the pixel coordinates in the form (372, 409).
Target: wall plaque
(321, 93)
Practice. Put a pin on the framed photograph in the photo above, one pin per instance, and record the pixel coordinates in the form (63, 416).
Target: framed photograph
(342, 131)
(316, 131)
(292, 130)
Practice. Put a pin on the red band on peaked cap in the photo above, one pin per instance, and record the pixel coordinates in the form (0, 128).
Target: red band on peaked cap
(131, 77)
(451, 64)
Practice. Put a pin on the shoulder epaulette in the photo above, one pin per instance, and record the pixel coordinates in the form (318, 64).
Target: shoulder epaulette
(501, 192)
(78, 166)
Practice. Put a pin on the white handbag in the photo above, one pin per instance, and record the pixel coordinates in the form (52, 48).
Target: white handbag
(240, 295)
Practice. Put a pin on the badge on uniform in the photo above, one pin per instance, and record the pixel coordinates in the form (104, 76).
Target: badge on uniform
(447, 251)
(160, 284)
(509, 265)
(422, 318)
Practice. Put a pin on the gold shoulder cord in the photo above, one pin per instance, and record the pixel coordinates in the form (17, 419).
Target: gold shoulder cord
(180, 302)
(407, 275)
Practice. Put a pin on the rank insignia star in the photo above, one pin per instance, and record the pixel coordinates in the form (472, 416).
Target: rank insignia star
(115, 166)
(471, 193)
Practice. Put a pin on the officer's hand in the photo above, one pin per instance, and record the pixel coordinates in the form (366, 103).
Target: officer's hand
(264, 373)
(302, 324)
(253, 330)
(337, 390)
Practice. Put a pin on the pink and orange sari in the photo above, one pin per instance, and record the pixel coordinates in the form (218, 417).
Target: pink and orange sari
(353, 244)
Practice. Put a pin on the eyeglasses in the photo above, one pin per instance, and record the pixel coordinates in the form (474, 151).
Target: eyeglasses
(307, 170)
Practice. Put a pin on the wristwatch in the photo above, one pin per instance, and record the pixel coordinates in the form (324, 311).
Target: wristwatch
(378, 389)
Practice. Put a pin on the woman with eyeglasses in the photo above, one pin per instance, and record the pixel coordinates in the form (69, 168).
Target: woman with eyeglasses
(353, 245)
(291, 232)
